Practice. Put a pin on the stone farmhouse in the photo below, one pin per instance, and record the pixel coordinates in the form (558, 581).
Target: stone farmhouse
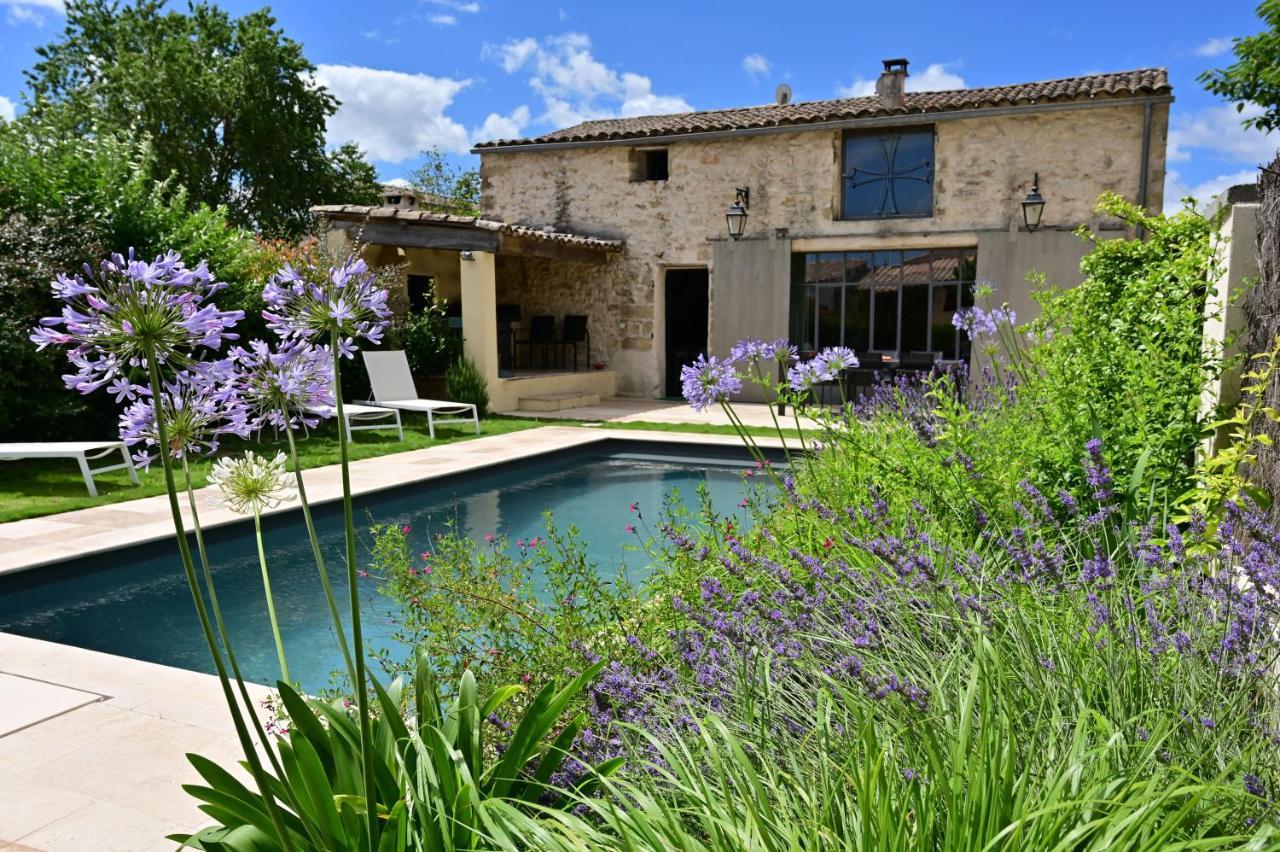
(603, 258)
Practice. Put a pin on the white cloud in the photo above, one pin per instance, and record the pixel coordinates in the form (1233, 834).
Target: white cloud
(1205, 191)
(502, 126)
(1219, 130)
(755, 64)
(444, 20)
(934, 78)
(469, 8)
(31, 11)
(512, 55)
(393, 115)
(575, 86)
(7, 110)
(404, 183)
(1214, 47)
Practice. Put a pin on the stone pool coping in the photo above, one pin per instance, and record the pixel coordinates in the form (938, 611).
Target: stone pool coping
(50, 539)
(106, 774)
(101, 766)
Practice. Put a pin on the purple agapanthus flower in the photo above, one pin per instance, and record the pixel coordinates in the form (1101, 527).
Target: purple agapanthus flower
(113, 317)
(708, 381)
(805, 374)
(837, 358)
(288, 387)
(977, 322)
(753, 349)
(310, 304)
(199, 406)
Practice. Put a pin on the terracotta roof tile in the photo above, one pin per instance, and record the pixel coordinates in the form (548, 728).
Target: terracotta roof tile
(361, 211)
(1121, 84)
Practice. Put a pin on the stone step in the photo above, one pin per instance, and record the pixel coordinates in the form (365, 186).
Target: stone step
(558, 401)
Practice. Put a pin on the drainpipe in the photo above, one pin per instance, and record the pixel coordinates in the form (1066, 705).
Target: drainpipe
(1146, 159)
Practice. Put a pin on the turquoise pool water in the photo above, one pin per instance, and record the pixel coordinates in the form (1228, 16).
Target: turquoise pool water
(134, 602)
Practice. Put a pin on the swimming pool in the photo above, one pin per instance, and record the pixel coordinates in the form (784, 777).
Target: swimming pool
(134, 601)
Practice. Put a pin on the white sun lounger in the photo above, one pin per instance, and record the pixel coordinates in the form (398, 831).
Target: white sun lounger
(366, 415)
(393, 388)
(82, 451)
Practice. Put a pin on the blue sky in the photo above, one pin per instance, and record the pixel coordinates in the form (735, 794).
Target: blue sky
(419, 73)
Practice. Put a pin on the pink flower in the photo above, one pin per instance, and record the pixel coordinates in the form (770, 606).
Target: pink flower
(526, 677)
(630, 528)
(362, 573)
(537, 542)
(742, 504)
(519, 542)
(828, 544)
(635, 507)
(488, 537)
(426, 569)
(406, 529)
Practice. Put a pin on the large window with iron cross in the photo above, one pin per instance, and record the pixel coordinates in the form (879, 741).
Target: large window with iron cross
(888, 174)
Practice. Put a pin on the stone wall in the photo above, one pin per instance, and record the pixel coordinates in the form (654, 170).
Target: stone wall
(564, 287)
(984, 166)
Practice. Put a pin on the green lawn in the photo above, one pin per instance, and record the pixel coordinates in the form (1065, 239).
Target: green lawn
(29, 489)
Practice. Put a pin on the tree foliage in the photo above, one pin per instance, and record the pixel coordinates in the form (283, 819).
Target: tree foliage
(1254, 78)
(448, 188)
(229, 104)
(67, 201)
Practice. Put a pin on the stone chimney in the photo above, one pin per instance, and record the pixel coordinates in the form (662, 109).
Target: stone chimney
(891, 84)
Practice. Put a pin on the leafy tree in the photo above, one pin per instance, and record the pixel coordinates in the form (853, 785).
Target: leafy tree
(229, 104)
(67, 201)
(448, 188)
(1255, 75)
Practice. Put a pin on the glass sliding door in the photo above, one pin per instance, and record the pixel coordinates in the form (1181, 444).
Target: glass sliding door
(894, 304)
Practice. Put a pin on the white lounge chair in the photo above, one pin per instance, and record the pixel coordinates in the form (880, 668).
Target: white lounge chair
(82, 451)
(393, 387)
(354, 413)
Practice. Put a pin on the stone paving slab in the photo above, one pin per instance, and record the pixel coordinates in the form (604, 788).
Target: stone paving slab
(620, 409)
(108, 774)
(25, 702)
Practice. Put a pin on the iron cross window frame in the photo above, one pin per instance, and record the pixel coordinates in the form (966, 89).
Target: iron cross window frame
(923, 171)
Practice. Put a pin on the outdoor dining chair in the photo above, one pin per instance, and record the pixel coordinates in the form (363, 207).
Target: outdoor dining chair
(541, 334)
(574, 333)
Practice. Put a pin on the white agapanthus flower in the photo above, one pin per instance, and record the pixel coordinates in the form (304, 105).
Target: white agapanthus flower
(250, 484)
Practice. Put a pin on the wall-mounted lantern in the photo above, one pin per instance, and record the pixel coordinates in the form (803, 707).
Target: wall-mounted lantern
(1033, 205)
(736, 218)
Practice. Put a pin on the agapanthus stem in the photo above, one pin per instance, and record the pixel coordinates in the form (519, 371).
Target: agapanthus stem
(357, 637)
(193, 583)
(225, 635)
(340, 634)
(271, 603)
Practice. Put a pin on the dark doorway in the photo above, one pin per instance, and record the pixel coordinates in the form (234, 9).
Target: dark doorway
(686, 311)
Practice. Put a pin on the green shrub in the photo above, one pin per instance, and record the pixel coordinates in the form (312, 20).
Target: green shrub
(427, 340)
(66, 202)
(463, 383)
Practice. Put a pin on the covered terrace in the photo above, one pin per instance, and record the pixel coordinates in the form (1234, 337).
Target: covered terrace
(527, 299)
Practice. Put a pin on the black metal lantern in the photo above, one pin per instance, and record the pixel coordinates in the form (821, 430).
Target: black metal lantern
(1033, 205)
(736, 217)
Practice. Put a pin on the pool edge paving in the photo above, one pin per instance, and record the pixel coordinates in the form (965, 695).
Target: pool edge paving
(50, 539)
